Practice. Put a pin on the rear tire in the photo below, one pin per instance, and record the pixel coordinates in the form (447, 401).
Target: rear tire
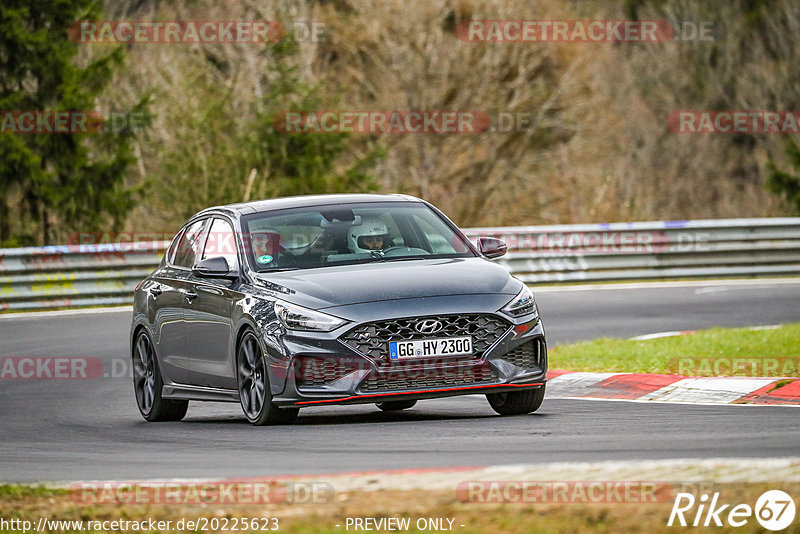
(395, 406)
(516, 402)
(254, 392)
(147, 384)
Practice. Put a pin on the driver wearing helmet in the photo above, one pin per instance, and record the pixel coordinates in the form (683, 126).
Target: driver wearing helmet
(369, 236)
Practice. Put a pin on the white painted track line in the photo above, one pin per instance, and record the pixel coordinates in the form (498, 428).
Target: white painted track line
(666, 285)
(63, 313)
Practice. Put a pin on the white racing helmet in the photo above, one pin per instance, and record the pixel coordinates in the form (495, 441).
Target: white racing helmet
(370, 226)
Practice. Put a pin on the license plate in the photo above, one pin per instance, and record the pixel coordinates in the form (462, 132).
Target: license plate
(427, 348)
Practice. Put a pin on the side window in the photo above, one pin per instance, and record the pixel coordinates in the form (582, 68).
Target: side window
(222, 242)
(190, 245)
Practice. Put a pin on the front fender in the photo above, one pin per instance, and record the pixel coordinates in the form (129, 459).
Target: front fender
(258, 314)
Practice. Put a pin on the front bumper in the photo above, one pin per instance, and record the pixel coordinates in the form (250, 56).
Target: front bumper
(310, 369)
(413, 395)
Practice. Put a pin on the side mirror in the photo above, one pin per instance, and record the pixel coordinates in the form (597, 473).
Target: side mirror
(491, 247)
(215, 267)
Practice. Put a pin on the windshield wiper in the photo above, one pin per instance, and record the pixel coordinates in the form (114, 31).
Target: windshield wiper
(279, 270)
(400, 258)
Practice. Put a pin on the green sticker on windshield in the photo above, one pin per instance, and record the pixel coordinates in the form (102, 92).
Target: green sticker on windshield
(264, 259)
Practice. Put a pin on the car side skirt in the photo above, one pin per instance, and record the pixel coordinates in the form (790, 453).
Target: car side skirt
(200, 393)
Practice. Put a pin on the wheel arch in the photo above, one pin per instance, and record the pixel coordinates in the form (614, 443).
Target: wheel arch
(241, 331)
(135, 330)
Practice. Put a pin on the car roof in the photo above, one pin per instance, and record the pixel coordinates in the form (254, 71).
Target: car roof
(306, 201)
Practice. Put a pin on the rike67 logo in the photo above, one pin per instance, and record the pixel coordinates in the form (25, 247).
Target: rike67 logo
(774, 510)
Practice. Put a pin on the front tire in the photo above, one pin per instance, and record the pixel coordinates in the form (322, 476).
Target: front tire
(148, 383)
(516, 402)
(254, 392)
(395, 406)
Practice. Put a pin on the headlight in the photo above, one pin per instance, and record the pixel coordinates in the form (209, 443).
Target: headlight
(299, 318)
(522, 304)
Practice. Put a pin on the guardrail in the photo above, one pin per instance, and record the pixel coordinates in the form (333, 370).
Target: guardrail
(650, 250)
(92, 275)
(74, 275)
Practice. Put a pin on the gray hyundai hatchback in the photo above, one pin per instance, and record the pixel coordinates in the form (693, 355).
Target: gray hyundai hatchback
(332, 299)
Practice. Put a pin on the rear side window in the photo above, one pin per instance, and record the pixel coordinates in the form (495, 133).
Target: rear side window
(173, 247)
(191, 244)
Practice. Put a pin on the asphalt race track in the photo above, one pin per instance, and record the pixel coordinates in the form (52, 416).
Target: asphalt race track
(61, 430)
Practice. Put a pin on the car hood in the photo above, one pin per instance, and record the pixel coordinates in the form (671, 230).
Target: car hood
(373, 282)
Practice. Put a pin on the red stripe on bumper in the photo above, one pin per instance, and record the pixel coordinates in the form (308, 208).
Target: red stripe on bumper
(418, 392)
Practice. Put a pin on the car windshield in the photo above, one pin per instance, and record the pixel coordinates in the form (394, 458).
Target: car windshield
(325, 236)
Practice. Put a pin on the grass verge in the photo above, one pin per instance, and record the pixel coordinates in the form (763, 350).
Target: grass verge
(714, 352)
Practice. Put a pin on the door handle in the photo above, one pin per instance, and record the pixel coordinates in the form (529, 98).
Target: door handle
(190, 296)
(156, 291)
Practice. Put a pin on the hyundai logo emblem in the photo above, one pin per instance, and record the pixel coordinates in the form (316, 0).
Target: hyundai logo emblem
(428, 326)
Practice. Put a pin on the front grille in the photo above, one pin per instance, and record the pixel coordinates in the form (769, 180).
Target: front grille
(428, 377)
(372, 339)
(528, 355)
(314, 372)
